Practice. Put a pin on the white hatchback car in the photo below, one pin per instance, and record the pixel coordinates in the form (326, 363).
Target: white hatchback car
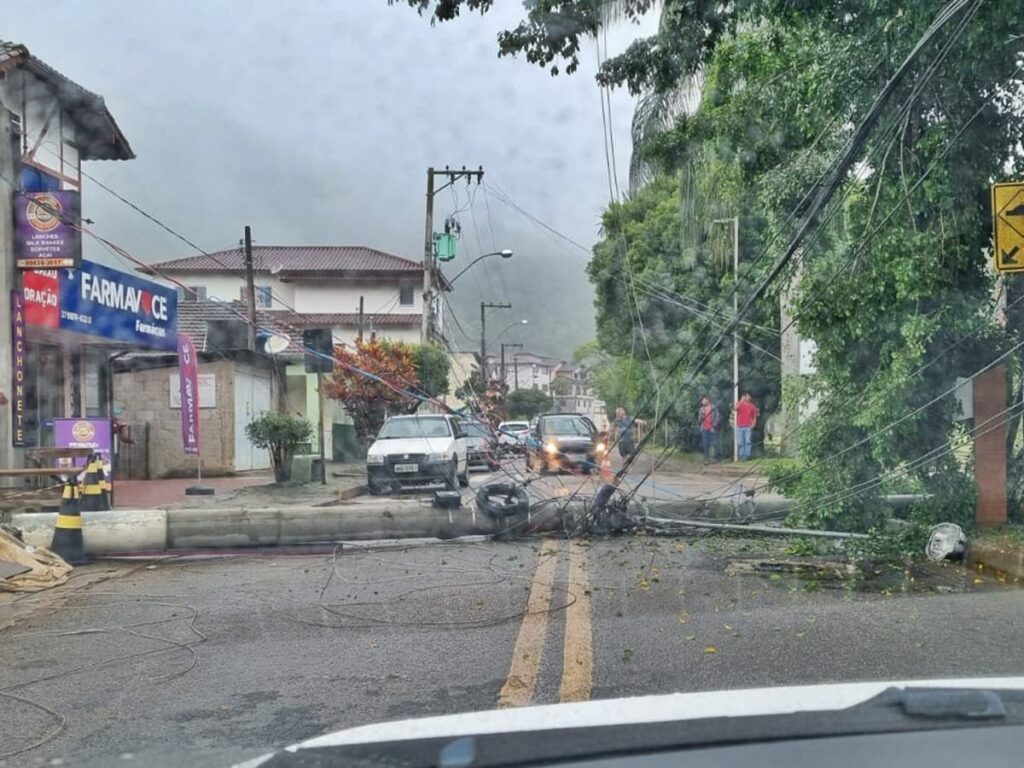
(415, 450)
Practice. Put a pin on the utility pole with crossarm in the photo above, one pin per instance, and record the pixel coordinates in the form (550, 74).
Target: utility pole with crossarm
(429, 258)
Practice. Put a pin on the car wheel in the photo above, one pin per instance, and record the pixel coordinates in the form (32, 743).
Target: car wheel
(375, 489)
(451, 479)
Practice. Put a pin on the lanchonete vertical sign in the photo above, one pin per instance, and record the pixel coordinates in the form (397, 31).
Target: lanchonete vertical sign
(18, 436)
(188, 375)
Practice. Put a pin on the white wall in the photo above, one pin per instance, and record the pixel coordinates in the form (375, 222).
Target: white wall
(349, 334)
(229, 287)
(340, 296)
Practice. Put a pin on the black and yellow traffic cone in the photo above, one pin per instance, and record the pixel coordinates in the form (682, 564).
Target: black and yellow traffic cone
(101, 469)
(92, 491)
(67, 534)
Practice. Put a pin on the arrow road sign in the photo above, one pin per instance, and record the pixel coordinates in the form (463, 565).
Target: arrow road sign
(1008, 226)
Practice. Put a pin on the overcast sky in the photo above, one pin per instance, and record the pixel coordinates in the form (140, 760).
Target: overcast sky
(317, 125)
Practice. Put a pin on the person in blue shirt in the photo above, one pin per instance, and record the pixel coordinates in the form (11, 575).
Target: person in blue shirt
(623, 432)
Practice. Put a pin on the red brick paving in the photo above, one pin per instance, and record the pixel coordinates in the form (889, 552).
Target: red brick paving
(146, 494)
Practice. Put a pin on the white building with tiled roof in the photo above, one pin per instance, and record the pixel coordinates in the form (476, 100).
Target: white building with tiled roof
(300, 287)
(323, 283)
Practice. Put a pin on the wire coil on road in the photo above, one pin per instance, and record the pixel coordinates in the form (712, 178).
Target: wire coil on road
(502, 500)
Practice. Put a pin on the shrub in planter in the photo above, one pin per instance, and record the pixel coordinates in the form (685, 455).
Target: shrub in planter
(281, 433)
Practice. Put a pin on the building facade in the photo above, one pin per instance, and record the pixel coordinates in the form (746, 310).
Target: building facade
(56, 337)
(299, 288)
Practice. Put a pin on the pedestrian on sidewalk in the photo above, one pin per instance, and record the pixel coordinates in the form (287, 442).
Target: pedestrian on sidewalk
(707, 418)
(746, 419)
(622, 432)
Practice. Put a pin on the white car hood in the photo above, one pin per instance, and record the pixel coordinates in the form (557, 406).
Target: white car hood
(642, 709)
(403, 445)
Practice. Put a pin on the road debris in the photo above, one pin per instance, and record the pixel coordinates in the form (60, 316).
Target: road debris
(946, 541)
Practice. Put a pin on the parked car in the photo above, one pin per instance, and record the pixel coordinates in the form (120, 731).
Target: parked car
(414, 450)
(481, 444)
(513, 435)
(565, 441)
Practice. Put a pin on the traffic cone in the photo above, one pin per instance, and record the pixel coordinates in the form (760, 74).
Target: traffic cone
(67, 534)
(104, 484)
(92, 491)
(606, 467)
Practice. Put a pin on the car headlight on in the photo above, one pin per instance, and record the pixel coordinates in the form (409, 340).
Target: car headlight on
(436, 457)
(374, 458)
(551, 449)
(600, 448)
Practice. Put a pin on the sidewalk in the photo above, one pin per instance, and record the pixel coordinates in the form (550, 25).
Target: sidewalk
(1002, 550)
(248, 489)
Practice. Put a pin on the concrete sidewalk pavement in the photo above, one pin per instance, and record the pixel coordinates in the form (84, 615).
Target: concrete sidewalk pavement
(250, 489)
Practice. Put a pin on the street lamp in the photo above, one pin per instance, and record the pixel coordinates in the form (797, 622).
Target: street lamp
(735, 222)
(508, 327)
(505, 254)
(502, 332)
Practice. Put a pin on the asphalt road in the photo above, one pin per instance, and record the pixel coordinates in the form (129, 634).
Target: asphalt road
(268, 649)
(661, 485)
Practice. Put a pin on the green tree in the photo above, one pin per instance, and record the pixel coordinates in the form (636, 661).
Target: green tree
(281, 433)
(432, 368)
(891, 282)
(527, 403)
(561, 387)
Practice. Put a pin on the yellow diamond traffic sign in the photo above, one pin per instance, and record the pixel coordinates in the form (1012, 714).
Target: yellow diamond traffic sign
(1008, 226)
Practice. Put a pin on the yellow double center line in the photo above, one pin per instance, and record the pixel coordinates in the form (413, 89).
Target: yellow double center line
(528, 651)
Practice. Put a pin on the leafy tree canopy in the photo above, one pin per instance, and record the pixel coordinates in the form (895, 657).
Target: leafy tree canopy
(527, 403)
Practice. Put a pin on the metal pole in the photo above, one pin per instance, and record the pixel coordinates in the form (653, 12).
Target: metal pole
(428, 260)
(360, 327)
(320, 408)
(735, 336)
(483, 341)
(250, 289)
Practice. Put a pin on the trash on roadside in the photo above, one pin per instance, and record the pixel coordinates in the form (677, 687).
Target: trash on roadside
(946, 541)
(30, 569)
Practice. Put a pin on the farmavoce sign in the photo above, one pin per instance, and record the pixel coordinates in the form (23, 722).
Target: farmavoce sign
(103, 302)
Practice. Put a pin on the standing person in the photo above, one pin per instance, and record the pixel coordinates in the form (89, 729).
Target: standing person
(622, 432)
(707, 416)
(746, 419)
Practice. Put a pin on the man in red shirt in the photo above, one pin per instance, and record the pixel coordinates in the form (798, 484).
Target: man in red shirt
(746, 418)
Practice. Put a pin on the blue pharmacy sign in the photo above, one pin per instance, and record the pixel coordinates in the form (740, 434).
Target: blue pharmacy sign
(100, 301)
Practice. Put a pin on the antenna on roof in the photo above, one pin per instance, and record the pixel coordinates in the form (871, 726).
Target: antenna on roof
(276, 268)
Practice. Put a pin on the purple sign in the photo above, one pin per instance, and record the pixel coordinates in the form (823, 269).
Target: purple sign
(18, 437)
(188, 376)
(46, 234)
(85, 433)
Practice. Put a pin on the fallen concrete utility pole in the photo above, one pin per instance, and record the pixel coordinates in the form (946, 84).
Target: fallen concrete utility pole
(158, 530)
(752, 528)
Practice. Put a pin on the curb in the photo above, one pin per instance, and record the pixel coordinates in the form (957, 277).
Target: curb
(1008, 559)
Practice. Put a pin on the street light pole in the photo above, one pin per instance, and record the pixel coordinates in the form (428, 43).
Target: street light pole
(429, 261)
(505, 254)
(735, 222)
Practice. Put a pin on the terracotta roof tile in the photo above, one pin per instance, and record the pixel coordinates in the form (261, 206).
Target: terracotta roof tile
(296, 260)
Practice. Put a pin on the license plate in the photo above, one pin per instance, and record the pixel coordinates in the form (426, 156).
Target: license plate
(407, 467)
